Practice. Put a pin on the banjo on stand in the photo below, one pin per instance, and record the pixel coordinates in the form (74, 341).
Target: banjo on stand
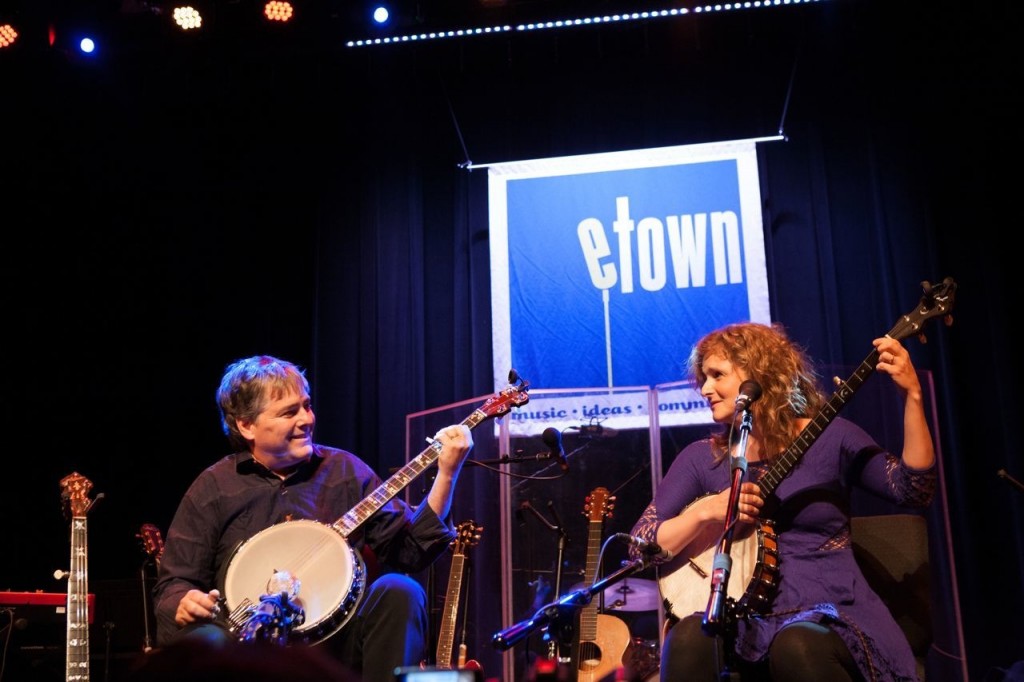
(317, 556)
(75, 496)
(685, 581)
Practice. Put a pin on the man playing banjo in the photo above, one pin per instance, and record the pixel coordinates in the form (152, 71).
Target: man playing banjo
(268, 516)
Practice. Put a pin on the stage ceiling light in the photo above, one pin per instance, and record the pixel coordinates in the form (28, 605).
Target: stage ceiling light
(187, 17)
(277, 10)
(7, 35)
(381, 14)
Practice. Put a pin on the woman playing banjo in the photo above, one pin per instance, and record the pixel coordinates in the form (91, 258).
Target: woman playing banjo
(279, 481)
(820, 620)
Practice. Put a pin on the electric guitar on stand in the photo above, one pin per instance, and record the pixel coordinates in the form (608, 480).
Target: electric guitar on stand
(602, 638)
(75, 496)
(468, 536)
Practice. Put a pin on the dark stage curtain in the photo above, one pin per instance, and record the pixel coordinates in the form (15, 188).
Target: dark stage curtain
(896, 118)
(168, 209)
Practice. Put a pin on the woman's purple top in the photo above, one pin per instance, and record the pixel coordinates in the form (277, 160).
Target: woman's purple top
(819, 580)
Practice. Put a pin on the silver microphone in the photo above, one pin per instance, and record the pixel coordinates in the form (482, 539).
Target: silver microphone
(651, 550)
(750, 391)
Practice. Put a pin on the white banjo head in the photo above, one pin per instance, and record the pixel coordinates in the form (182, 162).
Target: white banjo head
(325, 572)
(685, 582)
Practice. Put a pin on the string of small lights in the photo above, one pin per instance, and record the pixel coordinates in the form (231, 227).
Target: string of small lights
(573, 23)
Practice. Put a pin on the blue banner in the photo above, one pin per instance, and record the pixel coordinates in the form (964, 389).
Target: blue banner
(607, 268)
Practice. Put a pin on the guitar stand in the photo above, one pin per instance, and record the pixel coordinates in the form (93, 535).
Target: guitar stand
(559, 617)
(108, 628)
(147, 638)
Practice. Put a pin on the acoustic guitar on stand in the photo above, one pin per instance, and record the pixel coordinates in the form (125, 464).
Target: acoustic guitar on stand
(153, 547)
(602, 638)
(468, 536)
(75, 496)
(152, 543)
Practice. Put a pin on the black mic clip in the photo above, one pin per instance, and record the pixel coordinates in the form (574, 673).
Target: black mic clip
(594, 430)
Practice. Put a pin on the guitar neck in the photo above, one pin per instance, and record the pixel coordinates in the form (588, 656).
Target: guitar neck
(789, 459)
(588, 614)
(77, 660)
(446, 638)
(355, 517)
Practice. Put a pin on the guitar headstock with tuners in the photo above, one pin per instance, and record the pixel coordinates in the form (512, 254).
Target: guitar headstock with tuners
(74, 494)
(513, 395)
(152, 542)
(599, 505)
(467, 535)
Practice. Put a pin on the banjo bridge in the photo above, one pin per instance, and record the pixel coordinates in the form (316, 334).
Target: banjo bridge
(700, 571)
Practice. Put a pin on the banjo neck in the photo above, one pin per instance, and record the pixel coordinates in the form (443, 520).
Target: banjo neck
(383, 493)
(781, 467)
(937, 301)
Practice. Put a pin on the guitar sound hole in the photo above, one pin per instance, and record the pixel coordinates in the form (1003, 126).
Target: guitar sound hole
(590, 655)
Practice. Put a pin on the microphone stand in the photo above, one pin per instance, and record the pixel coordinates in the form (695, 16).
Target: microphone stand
(559, 617)
(718, 619)
(563, 540)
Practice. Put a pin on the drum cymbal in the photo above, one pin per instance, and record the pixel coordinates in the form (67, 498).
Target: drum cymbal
(629, 594)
